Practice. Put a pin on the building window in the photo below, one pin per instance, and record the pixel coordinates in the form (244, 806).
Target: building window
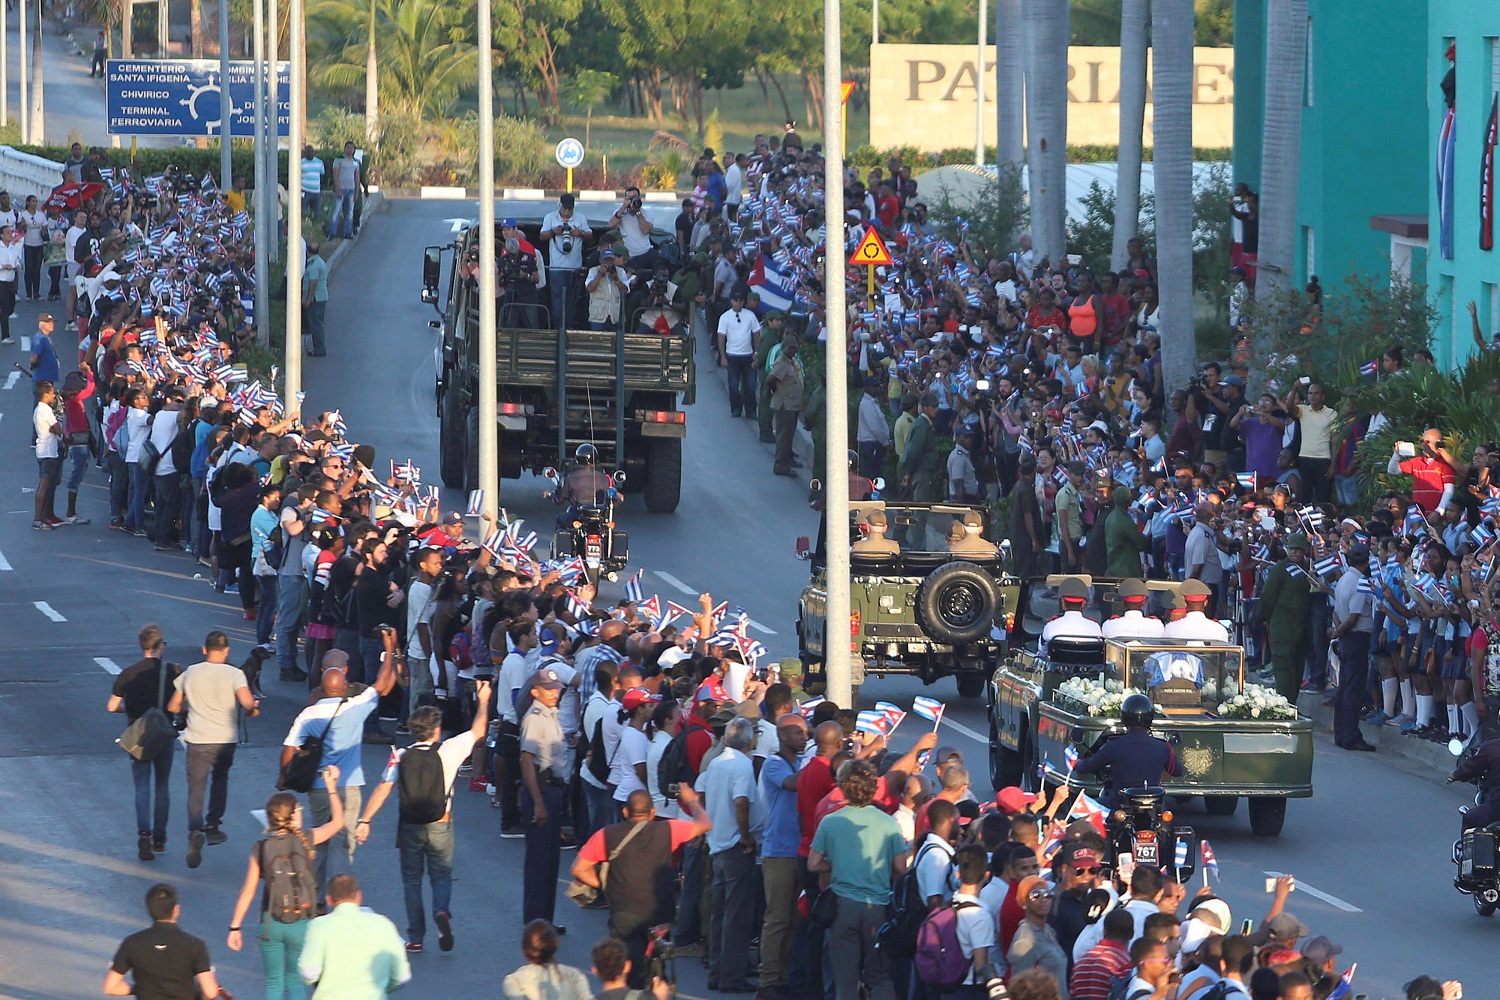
(1307, 95)
(1489, 309)
(1309, 252)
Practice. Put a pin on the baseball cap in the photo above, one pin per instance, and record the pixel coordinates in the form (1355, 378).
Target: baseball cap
(941, 755)
(1014, 799)
(1283, 927)
(548, 642)
(1084, 857)
(453, 518)
(44, 318)
(546, 678)
(636, 697)
(606, 254)
(1319, 950)
(508, 223)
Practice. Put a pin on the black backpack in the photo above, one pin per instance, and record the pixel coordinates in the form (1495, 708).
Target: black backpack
(291, 892)
(419, 779)
(897, 937)
(598, 765)
(674, 768)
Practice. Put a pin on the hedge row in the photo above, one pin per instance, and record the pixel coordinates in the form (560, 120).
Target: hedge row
(868, 156)
(195, 161)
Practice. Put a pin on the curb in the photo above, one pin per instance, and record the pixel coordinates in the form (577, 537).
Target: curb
(374, 203)
(529, 194)
(1387, 740)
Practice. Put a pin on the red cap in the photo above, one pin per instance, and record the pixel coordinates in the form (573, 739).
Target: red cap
(1013, 799)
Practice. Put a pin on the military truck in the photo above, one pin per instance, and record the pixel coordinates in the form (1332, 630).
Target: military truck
(619, 390)
(924, 611)
(1045, 708)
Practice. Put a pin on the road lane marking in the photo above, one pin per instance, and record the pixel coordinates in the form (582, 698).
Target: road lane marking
(5, 566)
(671, 580)
(1333, 901)
(766, 629)
(25, 345)
(110, 666)
(48, 610)
(129, 566)
(964, 730)
(11, 379)
(260, 817)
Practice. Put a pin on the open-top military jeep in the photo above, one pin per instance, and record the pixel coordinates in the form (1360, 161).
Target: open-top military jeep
(926, 610)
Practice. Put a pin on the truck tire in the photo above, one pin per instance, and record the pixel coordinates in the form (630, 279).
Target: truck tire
(663, 475)
(970, 684)
(1030, 781)
(470, 451)
(1267, 814)
(956, 604)
(815, 684)
(1005, 763)
(451, 424)
(1221, 805)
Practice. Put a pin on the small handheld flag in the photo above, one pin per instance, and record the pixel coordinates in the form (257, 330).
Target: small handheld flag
(1210, 863)
(476, 503)
(928, 708)
(1245, 480)
(806, 708)
(1182, 854)
(633, 591)
(1369, 369)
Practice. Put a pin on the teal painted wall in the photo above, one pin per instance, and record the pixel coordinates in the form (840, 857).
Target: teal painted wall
(1367, 83)
(1249, 88)
(1473, 275)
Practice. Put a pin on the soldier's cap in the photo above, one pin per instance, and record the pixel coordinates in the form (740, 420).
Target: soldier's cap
(876, 517)
(546, 678)
(1076, 469)
(722, 717)
(1171, 600)
(1132, 590)
(973, 518)
(1195, 590)
(775, 314)
(1296, 540)
(1073, 589)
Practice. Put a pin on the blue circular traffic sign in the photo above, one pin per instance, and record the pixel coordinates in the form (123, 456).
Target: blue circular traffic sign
(569, 153)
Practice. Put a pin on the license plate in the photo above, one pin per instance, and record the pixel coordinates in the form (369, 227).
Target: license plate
(594, 550)
(1146, 852)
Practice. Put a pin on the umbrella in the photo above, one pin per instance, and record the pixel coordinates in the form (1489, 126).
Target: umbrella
(72, 195)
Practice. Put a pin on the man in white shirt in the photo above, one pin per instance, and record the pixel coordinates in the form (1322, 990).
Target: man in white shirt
(731, 800)
(505, 765)
(564, 240)
(933, 860)
(1196, 624)
(976, 929)
(1134, 623)
(635, 229)
(607, 285)
(75, 232)
(734, 182)
(600, 714)
(739, 334)
(1200, 555)
(421, 644)
(49, 436)
(1073, 597)
(164, 431)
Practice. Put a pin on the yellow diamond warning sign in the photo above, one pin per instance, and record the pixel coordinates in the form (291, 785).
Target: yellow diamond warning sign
(871, 250)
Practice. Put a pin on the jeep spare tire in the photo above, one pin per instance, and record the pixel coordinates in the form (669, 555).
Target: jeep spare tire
(957, 602)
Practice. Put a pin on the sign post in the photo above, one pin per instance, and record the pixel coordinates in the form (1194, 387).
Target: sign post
(846, 88)
(569, 155)
(871, 253)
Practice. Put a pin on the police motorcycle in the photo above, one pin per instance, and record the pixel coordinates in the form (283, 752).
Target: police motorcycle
(587, 530)
(1477, 850)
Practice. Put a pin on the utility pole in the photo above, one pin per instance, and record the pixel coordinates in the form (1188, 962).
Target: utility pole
(271, 150)
(38, 117)
(836, 657)
(23, 109)
(295, 256)
(226, 117)
(265, 222)
(979, 89)
(489, 427)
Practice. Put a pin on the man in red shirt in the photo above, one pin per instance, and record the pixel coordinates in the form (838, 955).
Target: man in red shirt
(888, 207)
(1431, 471)
(1106, 961)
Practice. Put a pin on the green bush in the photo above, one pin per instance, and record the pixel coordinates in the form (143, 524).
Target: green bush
(195, 161)
(865, 157)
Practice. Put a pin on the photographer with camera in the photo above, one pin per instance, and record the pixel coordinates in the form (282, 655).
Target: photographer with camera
(564, 258)
(635, 230)
(661, 308)
(608, 283)
(518, 275)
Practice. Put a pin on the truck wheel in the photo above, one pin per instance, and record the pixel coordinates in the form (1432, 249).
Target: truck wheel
(1483, 908)
(450, 438)
(1005, 763)
(470, 451)
(970, 684)
(815, 684)
(957, 603)
(1030, 780)
(1221, 805)
(663, 475)
(1267, 816)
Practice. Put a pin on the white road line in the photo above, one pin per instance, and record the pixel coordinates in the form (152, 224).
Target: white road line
(763, 628)
(5, 566)
(1333, 901)
(11, 379)
(672, 581)
(48, 610)
(966, 731)
(25, 345)
(110, 666)
(260, 817)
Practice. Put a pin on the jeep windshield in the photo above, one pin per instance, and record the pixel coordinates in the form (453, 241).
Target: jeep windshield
(1186, 676)
(920, 530)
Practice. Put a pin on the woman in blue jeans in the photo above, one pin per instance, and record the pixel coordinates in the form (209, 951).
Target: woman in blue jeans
(281, 935)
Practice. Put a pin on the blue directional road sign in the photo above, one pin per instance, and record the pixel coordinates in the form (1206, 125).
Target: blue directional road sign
(181, 97)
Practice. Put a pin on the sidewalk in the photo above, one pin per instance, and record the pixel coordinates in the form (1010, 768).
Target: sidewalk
(1387, 740)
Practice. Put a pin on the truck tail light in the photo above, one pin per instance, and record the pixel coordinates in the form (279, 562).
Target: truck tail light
(513, 409)
(854, 623)
(1010, 621)
(661, 416)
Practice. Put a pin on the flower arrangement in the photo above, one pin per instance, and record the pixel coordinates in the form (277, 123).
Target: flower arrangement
(1212, 694)
(1099, 699)
(1258, 703)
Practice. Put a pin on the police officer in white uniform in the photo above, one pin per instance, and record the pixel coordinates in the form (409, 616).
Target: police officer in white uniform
(1195, 624)
(1134, 623)
(1073, 595)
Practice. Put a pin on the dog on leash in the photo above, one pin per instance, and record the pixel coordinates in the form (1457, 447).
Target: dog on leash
(251, 667)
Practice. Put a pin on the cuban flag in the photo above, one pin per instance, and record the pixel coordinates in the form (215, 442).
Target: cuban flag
(1182, 854)
(1328, 565)
(873, 723)
(1365, 587)
(577, 606)
(1369, 369)
(651, 607)
(1482, 535)
(492, 543)
(1070, 756)
(675, 610)
(928, 708)
(1346, 981)
(1210, 863)
(633, 592)
(892, 712)
(775, 287)
(571, 571)
(476, 503)
(807, 707)
(1415, 522)
(750, 649)
(1311, 516)
(1086, 808)
(1245, 480)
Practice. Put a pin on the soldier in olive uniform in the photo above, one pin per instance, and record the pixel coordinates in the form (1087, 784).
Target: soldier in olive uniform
(769, 347)
(919, 465)
(814, 408)
(875, 543)
(1286, 608)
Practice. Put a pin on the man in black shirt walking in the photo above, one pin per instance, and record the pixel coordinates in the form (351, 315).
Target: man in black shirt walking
(139, 688)
(165, 962)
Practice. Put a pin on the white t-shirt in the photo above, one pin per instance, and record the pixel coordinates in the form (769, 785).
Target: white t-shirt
(513, 674)
(634, 234)
(48, 433)
(419, 605)
(554, 245)
(452, 753)
(739, 330)
(734, 180)
(935, 868)
(975, 929)
(631, 749)
(605, 710)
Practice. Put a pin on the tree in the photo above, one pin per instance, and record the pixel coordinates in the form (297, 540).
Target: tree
(424, 50)
(1281, 144)
(1133, 14)
(1047, 124)
(1172, 152)
(587, 87)
(535, 33)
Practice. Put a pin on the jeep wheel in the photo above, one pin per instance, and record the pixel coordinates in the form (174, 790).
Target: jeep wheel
(815, 684)
(1029, 780)
(1221, 805)
(970, 684)
(956, 604)
(1267, 815)
(1005, 763)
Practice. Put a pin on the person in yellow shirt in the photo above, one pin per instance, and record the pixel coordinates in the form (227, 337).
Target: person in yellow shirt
(235, 196)
(904, 421)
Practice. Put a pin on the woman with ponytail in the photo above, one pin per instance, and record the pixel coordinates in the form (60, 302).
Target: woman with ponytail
(283, 859)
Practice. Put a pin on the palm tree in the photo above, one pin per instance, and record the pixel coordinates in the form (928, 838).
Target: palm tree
(1010, 84)
(1172, 93)
(1133, 14)
(1281, 144)
(1047, 125)
(415, 44)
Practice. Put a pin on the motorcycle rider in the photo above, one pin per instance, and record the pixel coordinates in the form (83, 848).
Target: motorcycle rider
(1135, 758)
(584, 486)
(1483, 768)
(860, 488)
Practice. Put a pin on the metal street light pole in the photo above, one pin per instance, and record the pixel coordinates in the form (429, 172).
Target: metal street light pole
(874, 22)
(23, 110)
(836, 657)
(271, 150)
(295, 256)
(489, 427)
(226, 122)
(265, 222)
(979, 90)
(38, 103)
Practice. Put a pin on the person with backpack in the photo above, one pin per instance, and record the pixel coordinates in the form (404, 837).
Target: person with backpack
(957, 938)
(1108, 962)
(1155, 978)
(423, 774)
(167, 489)
(138, 689)
(283, 861)
(265, 545)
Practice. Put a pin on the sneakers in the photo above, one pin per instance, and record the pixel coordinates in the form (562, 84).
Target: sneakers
(1399, 720)
(413, 947)
(511, 832)
(445, 930)
(163, 548)
(159, 846)
(1378, 718)
(214, 835)
(116, 524)
(195, 849)
(75, 519)
(250, 615)
(143, 847)
(40, 526)
(478, 784)
(233, 588)
(139, 532)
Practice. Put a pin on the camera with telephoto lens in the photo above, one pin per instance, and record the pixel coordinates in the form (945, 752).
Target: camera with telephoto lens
(634, 205)
(565, 240)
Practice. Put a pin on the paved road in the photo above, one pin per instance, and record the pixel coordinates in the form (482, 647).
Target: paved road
(1373, 842)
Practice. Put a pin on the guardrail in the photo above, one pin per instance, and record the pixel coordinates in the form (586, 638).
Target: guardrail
(25, 174)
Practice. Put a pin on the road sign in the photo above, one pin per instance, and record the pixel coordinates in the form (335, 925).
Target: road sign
(181, 97)
(871, 250)
(847, 89)
(570, 153)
